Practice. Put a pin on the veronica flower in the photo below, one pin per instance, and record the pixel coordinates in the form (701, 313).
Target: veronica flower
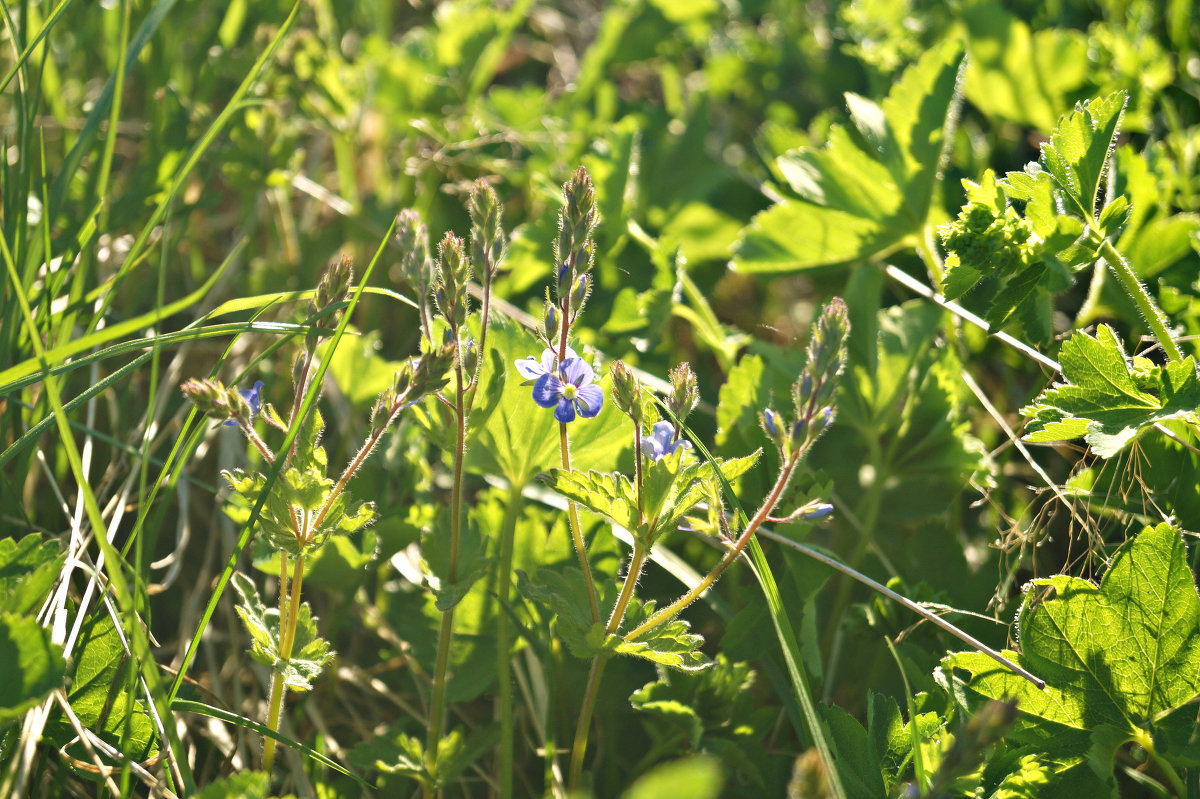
(566, 387)
(659, 444)
(251, 395)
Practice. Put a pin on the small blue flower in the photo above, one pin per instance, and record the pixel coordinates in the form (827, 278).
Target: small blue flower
(251, 395)
(660, 443)
(532, 368)
(566, 387)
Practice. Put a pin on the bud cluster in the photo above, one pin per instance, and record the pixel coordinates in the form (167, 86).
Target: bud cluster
(813, 393)
(627, 392)
(454, 274)
(412, 381)
(684, 394)
(416, 266)
(331, 290)
(487, 236)
(226, 404)
(574, 249)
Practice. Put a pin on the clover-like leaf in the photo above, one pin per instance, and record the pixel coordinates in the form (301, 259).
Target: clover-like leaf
(1104, 401)
(857, 201)
(1117, 659)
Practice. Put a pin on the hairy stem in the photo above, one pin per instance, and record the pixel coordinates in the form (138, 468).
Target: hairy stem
(564, 448)
(287, 639)
(579, 747)
(504, 707)
(1155, 318)
(672, 610)
(446, 633)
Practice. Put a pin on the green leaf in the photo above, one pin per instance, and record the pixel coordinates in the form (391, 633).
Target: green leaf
(33, 665)
(1078, 151)
(1102, 401)
(1116, 658)
(669, 644)
(564, 594)
(28, 569)
(246, 785)
(1016, 75)
(696, 777)
(100, 695)
(854, 201)
(397, 752)
(310, 653)
(519, 439)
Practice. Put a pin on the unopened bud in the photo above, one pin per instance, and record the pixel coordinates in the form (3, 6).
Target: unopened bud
(684, 393)
(332, 289)
(454, 273)
(579, 294)
(576, 224)
(550, 322)
(627, 391)
(470, 358)
(487, 236)
(209, 396)
(809, 778)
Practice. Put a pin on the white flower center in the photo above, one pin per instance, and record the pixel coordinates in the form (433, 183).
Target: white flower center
(569, 391)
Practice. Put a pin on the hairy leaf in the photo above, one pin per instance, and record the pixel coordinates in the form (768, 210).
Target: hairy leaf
(1117, 659)
(1104, 401)
(854, 201)
(310, 653)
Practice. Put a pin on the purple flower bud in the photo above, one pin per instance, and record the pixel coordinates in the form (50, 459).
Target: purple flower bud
(769, 419)
(252, 398)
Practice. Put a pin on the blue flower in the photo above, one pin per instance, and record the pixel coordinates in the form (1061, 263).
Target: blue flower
(660, 443)
(251, 395)
(566, 387)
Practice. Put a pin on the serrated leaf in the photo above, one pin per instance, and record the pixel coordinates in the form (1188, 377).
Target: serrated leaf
(1118, 657)
(1114, 216)
(1077, 154)
(28, 569)
(33, 665)
(310, 653)
(564, 594)
(99, 692)
(1101, 393)
(853, 202)
(669, 644)
(396, 752)
(519, 439)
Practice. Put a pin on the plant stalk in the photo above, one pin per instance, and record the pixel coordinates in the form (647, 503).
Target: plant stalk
(670, 611)
(446, 633)
(564, 448)
(504, 708)
(287, 638)
(1150, 311)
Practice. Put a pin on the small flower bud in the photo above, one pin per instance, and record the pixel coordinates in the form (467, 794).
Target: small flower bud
(487, 236)
(550, 322)
(239, 405)
(209, 396)
(627, 391)
(412, 239)
(809, 778)
(684, 393)
(577, 222)
(454, 273)
(470, 357)
(579, 294)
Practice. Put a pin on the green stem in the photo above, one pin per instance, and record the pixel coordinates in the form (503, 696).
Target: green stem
(287, 638)
(446, 633)
(1150, 311)
(670, 611)
(579, 747)
(564, 449)
(583, 725)
(504, 708)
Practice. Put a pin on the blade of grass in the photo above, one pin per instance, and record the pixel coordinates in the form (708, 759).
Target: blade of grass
(113, 563)
(188, 706)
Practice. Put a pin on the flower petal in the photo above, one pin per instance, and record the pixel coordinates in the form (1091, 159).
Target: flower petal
(590, 399)
(578, 372)
(549, 360)
(565, 412)
(651, 448)
(547, 391)
(529, 368)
